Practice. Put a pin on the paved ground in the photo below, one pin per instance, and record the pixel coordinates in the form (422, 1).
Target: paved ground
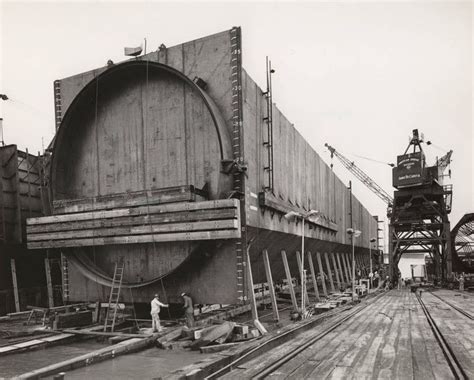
(390, 339)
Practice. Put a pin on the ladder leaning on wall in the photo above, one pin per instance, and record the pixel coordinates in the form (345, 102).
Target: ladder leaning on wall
(114, 297)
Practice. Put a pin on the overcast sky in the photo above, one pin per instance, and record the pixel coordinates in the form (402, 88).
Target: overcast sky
(359, 76)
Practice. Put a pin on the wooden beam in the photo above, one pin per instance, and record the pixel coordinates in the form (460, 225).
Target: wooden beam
(344, 265)
(102, 333)
(321, 273)
(130, 199)
(253, 303)
(328, 267)
(289, 279)
(271, 288)
(336, 271)
(313, 276)
(15, 285)
(135, 239)
(137, 220)
(341, 269)
(137, 230)
(298, 260)
(349, 265)
(142, 210)
(49, 284)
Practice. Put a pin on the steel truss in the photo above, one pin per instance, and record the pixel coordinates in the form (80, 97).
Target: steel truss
(420, 224)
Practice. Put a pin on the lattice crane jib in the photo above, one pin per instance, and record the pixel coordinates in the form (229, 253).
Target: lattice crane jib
(361, 176)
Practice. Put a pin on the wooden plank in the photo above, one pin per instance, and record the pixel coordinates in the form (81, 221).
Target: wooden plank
(321, 273)
(49, 284)
(102, 333)
(336, 270)
(136, 239)
(289, 279)
(140, 220)
(303, 291)
(137, 230)
(328, 267)
(131, 199)
(313, 275)
(142, 210)
(15, 285)
(218, 347)
(250, 291)
(268, 272)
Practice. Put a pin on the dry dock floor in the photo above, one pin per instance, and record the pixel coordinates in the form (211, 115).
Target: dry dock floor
(390, 339)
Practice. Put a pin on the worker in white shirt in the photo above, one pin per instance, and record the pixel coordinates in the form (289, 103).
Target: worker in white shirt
(371, 278)
(155, 313)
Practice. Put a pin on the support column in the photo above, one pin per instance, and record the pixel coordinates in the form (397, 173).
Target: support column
(336, 271)
(251, 292)
(328, 266)
(271, 288)
(313, 276)
(322, 274)
(338, 259)
(15, 285)
(303, 288)
(288, 278)
(49, 283)
(348, 264)
(344, 265)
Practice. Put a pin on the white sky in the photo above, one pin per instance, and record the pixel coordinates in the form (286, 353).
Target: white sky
(359, 76)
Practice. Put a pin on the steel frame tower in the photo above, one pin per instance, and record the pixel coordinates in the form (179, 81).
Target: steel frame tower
(419, 221)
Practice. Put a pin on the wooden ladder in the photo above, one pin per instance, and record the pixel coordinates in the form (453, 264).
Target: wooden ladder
(65, 278)
(114, 296)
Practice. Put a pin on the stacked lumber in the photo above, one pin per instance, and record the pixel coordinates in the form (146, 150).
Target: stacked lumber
(217, 333)
(130, 199)
(135, 223)
(225, 334)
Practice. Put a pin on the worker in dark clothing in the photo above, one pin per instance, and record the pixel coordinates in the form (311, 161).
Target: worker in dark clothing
(188, 310)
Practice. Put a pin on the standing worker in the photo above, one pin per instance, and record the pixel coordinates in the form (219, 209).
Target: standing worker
(461, 282)
(188, 310)
(155, 313)
(371, 279)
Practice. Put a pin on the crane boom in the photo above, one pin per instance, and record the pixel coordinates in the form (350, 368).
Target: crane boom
(444, 161)
(364, 178)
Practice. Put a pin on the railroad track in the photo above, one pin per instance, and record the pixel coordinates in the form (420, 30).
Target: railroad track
(448, 353)
(463, 312)
(271, 367)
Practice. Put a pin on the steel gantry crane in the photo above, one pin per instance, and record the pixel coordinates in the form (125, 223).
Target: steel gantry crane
(419, 209)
